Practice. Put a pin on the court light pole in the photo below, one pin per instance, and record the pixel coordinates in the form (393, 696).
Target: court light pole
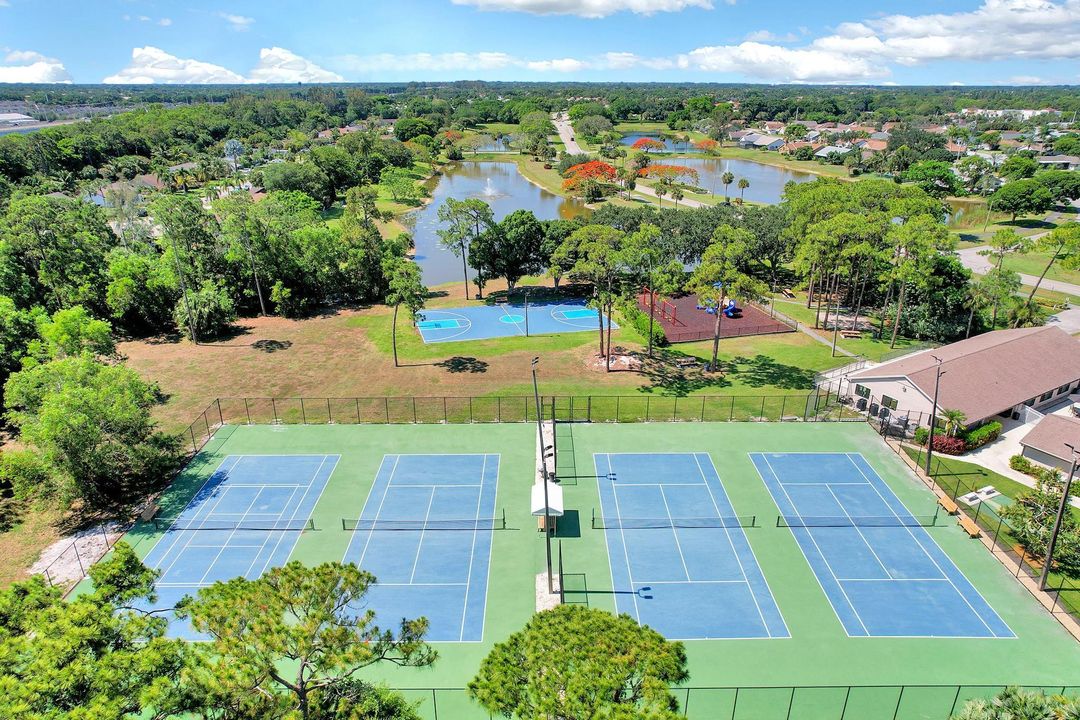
(1062, 509)
(544, 473)
(933, 416)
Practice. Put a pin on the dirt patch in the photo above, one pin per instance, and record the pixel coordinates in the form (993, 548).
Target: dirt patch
(621, 360)
(65, 562)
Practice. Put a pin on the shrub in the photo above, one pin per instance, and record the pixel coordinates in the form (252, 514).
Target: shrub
(921, 434)
(1022, 464)
(640, 320)
(982, 435)
(567, 161)
(949, 445)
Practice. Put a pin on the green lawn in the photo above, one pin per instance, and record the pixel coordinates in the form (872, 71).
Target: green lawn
(1035, 263)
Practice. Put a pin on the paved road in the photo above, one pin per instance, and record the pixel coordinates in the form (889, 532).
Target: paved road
(981, 264)
(566, 134)
(685, 202)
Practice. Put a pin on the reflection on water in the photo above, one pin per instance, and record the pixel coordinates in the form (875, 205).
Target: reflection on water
(501, 186)
(670, 144)
(766, 181)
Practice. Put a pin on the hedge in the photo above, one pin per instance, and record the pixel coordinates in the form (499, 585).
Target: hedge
(965, 440)
(1022, 464)
(639, 319)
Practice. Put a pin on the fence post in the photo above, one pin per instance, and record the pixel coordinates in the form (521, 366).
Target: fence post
(703, 408)
(588, 409)
(303, 412)
(357, 401)
(731, 413)
(386, 409)
(329, 413)
(247, 410)
(207, 423)
(78, 557)
(471, 418)
(498, 408)
(647, 399)
(762, 414)
(414, 410)
(847, 696)
(675, 410)
(194, 446)
(618, 402)
(956, 699)
(273, 405)
(790, 703)
(783, 407)
(444, 416)
(899, 699)
(221, 418)
(434, 704)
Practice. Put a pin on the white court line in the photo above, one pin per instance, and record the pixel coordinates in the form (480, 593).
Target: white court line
(694, 582)
(303, 499)
(420, 545)
(944, 574)
(438, 485)
(472, 549)
(227, 540)
(202, 520)
(491, 543)
(378, 511)
(622, 533)
(824, 558)
(465, 326)
(280, 533)
(423, 584)
(731, 544)
(888, 575)
(518, 324)
(675, 533)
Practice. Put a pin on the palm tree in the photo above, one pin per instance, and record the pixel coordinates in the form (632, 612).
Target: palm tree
(727, 178)
(677, 195)
(743, 184)
(661, 190)
(954, 421)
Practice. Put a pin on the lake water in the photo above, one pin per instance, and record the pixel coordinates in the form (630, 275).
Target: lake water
(498, 184)
(766, 181)
(669, 144)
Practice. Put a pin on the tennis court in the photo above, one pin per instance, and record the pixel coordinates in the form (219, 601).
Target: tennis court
(879, 566)
(245, 519)
(425, 532)
(678, 552)
(482, 322)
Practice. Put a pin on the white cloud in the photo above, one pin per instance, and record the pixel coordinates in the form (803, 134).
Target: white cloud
(768, 36)
(27, 66)
(239, 23)
(165, 22)
(779, 64)
(557, 65)
(153, 65)
(5, 3)
(438, 62)
(998, 29)
(588, 8)
(278, 65)
(1026, 80)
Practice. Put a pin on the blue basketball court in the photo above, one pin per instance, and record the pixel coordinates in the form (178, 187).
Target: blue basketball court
(680, 559)
(482, 322)
(425, 532)
(881, 570)
(243, 521)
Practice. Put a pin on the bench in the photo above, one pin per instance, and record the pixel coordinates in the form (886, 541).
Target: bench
(969, 526)
(787, 293)
(540, 524)
(686, 362)
(947, 503)
(149, 512)
(851, 334)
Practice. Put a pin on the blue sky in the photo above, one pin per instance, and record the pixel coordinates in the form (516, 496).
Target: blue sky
(969, 42)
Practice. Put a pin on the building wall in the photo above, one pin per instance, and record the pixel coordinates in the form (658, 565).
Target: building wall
(909, 401)
(1045, 459)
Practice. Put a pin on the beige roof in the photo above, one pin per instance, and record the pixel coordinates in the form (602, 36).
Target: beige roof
(990, 373)
(1051, 433)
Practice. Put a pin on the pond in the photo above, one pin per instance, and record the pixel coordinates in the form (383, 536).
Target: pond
(501, 186)
(766, 181)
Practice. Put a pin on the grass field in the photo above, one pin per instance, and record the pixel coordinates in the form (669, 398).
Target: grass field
(818, 651)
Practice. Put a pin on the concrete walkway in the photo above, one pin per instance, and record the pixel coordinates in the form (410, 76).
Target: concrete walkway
(566, 134)
(981, 265)
(685, 202)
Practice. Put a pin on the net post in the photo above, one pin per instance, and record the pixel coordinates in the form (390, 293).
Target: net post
(504, 518)
(594, 519)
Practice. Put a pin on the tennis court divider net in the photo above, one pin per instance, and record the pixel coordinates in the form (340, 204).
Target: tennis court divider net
(599, 522)
(806, 521)
(491, 523)
(267, 525)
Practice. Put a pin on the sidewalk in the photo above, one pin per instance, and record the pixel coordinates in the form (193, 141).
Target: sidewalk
(981, 265)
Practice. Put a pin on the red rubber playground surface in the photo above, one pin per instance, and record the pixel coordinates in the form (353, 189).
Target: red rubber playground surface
(683, 322)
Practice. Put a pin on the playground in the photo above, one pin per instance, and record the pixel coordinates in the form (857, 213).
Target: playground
(685, 318)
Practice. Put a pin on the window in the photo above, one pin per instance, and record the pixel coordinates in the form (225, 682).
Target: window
(888, 402)
(862, 391)
(1030, 402)
(1046, 396)
(1064, 388)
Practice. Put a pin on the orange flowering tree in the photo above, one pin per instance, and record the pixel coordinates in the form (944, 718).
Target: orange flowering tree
(648, 144)
(576, 175)
(708, 145)
(452, 137)
(672, 173)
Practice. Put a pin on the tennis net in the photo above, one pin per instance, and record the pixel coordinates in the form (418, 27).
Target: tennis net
(487, 523)
(248, 524)
(599, 522)
(807, 521)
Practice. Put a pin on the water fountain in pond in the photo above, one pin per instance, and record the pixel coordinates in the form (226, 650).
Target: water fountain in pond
(489, 190)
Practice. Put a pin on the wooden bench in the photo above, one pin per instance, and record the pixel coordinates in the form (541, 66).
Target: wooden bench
(969, 526)
(851, 334)
(787, 293)
(149, 512)
(948, 504)
(685, 362)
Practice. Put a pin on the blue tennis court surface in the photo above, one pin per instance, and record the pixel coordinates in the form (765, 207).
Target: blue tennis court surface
(680, 560)
(243, 521)
(481, 322)
(882, 580)
(425, 533)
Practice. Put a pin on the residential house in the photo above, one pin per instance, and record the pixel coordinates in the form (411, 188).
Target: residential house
(830, 150)
(880, 135)
(999, 373)
(1059, 162)
(1052, 440)
(769, 142)
(15, 119)
(773, 127)
(872, 145)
